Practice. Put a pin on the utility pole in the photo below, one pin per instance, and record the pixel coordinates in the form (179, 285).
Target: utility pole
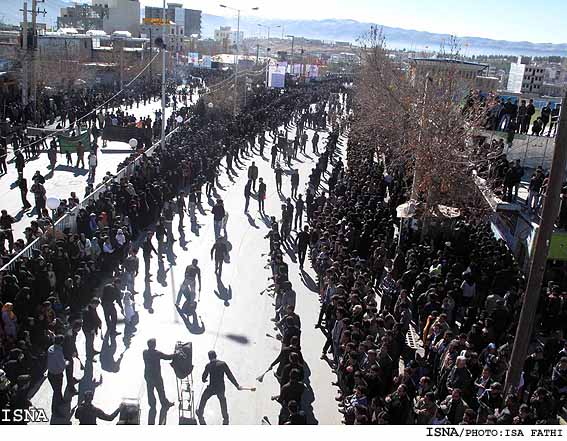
(236, 64)
(25, 65)
(537, 268)
(33, 79)
(151, 55)
(28, 64)
(163, 79)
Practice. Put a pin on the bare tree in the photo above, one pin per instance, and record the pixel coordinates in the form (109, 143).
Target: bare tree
(422, 122)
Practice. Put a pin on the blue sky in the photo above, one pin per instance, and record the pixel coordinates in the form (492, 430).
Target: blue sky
(538, 21)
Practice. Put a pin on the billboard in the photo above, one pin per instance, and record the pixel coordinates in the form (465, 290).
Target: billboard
(154, 21)
(193, 58)
(206, 61)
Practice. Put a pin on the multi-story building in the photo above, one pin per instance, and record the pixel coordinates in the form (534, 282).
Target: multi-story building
(105, 15)
(188, 19)
(226, 36)
(533, 79)
(83, 17)
(525, 77)
(467, 73)
(120, 15)
(153, 28)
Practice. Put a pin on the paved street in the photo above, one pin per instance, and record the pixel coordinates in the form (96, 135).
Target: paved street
(65, 179)
(234, 315)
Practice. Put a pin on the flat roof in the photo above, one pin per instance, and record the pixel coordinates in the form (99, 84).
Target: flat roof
(451, 60)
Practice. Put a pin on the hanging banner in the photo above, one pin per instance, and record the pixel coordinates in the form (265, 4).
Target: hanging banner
(207, 61)
(313, 71)
(193, 58)
(70, 143)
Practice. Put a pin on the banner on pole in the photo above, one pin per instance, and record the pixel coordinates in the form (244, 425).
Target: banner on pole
(207, 61)
(70, 143)
(193, 58)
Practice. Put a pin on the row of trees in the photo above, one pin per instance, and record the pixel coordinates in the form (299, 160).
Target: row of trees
(423, 121)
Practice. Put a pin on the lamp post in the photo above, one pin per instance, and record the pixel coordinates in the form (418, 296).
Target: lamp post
(237, 52)
(53, 204)
(292, 44)
(269, 28)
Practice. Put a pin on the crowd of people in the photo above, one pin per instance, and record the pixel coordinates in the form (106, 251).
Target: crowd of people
(509, 116)
(48, 298)
(459, 293)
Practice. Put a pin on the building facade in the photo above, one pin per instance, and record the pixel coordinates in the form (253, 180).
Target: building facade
(175, 39)
(226, 36)
(120, 15)
(188, 19)
(83, 17)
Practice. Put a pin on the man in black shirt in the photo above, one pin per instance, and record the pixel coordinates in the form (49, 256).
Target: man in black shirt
(216, 369)
(148, 249)
(220, 251)
(302, 242)
(291, 391)
(87, 413)
(152, 374)
(110, 294)
(91, 325)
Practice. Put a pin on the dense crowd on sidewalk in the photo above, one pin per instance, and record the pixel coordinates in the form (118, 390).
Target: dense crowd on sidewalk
(459, 293)
(56, 291)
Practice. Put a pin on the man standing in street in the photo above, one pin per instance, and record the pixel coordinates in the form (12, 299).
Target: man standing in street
(247, 194)
(93, 161)
(315, 142)
(91, 325)
(147, 250)
(253, 174)
(218, 215)
(294, 183)
(220, 251)
(302, 242)
(261, 195)
(80, 155)
(299, 207)
(216, 369)
(6, 222)
(279, 172)
(23, 186)
(152, 374)
(111, 294)
(3, 156)
(38, 191)
(192, 274)
(55, 368)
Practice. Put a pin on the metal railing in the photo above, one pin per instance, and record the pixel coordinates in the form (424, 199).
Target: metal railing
(69, 220)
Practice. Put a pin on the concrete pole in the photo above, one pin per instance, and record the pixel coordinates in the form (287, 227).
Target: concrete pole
(33, 72)
(236, 63)
(163, 119)
(25, 66)
(541, 250)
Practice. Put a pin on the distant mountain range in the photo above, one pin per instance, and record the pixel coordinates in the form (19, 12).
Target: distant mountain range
(329, 29)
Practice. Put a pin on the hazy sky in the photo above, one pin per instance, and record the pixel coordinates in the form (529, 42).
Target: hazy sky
(539, 21)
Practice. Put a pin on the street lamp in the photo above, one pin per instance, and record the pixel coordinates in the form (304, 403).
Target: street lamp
(255, 8)
(292, 43)
(269, 28)
(53, 204)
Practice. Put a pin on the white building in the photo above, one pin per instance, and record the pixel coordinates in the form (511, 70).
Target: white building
(525, 77)
(227, 36)
(123, 15)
